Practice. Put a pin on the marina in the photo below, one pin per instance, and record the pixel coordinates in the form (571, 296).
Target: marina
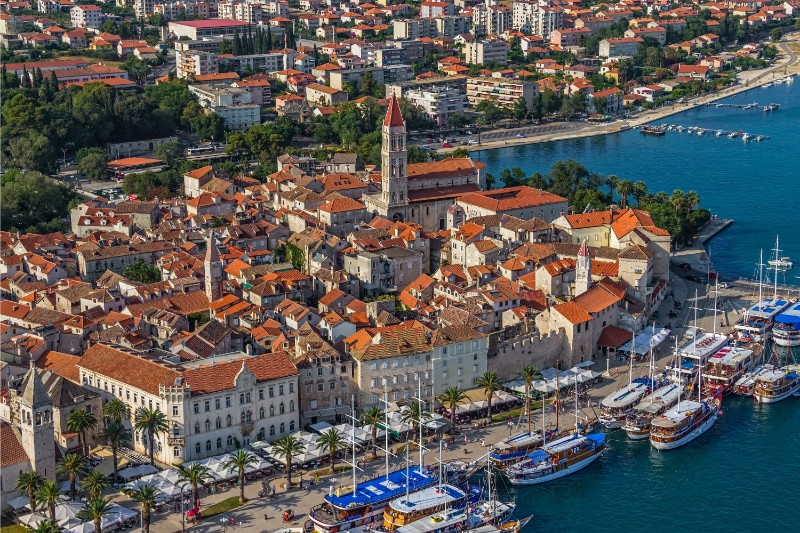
(700, 132)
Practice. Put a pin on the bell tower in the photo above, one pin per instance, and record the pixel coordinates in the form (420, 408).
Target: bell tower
(213, 270)
(36, 425)
(394, 161)
(583, 270)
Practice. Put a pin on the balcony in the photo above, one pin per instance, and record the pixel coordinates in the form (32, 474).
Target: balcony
(176, 439)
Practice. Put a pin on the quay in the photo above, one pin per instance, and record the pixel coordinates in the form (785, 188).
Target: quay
(712, 228)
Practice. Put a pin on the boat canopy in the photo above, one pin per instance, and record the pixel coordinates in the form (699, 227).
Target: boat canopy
(597, 438)
(538, 456)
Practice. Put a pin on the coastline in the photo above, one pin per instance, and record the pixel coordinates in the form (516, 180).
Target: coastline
(787, 64)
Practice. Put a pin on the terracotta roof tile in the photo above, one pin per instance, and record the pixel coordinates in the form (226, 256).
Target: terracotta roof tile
(11, 450)
(63, 364)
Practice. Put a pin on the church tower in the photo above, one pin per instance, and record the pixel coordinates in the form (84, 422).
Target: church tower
(394, 162)
(213, 270)
(583, 270)
(36, 425)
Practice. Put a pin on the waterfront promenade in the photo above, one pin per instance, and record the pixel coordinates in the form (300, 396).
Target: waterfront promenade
(787, 63)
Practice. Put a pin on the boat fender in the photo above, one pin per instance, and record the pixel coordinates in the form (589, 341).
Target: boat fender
(719, 413)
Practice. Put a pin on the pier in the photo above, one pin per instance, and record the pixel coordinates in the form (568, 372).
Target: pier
(701, 132)
(712, 228)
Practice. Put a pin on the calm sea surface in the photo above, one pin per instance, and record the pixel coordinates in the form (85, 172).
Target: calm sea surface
(755, 183)
(742, 474)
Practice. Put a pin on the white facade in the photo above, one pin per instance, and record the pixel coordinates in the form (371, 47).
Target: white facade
(438, 102)
(85, 16)
(232, 104)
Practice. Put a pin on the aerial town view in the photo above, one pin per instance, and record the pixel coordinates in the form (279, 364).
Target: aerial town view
(422, 266)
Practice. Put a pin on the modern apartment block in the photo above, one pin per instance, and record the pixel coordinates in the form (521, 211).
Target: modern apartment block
(504, 91)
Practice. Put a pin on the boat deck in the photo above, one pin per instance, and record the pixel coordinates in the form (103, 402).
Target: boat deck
(653, 403)
(675, 416)
(624, 397)
(428, 498)
(382, 488)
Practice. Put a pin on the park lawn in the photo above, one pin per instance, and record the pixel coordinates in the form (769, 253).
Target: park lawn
(10, 527)
(222, 507)
(514, 413)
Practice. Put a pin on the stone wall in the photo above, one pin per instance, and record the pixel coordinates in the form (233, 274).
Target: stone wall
(542, 351)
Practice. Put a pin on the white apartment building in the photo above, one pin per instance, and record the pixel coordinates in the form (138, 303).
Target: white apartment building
(536, 17)
(213, 406)
(439, 102)
(245, 11)
(414, 28)
(195, 63)
(85, 16)
(619, 47)
(490, 18)
(234, 105)
(481, 52)
(504, 91)
(275, 8)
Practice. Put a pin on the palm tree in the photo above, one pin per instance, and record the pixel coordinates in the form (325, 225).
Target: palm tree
(71, 466)
(331, 441)
(195, 474)
(678, 200)
(451, 398)
(490, 384)
(94, 511)
(415, 415)
(529, 373)
(48, 495)
(81, 420)
(94, 483)
(28, 483)
(692, 200)
(639, 191)
(288, 447)
(239, 461)
(624, 188)
(116, 435)
(145, 495)
(612, 181)
(372, 416)
(46, 526)
(152, 422)
(116, 411)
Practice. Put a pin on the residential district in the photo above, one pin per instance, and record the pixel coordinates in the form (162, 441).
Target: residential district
(282, 255)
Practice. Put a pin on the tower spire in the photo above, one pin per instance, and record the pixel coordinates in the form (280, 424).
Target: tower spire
(583, 269)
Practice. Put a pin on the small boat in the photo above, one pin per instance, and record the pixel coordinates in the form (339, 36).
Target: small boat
(746, 137)
(700, 132)
(718, 133)
(420, 504)
(784, 262)
(718, 105)
(766, 85)
(732, 135)
(558, 459)
(774, 106)
(775, 385)
(759, 138)
(767, 108)
(652, 130)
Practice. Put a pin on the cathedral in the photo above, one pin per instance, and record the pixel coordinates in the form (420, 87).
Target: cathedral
(418, 192)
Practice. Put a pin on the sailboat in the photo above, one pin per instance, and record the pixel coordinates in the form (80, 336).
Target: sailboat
(684, 422)
(637, 423)
(560, 458)
(758, 321)
(618, 405)
(777, 383)
(360, 507)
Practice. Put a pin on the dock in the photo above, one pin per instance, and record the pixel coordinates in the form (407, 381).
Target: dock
(712, 228)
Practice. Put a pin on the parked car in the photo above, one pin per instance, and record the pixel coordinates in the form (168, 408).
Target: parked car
(520, 136)
(472, 141)
(447, 145)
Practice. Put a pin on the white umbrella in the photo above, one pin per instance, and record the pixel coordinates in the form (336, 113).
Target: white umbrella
(20, 502)
(67, 510)
(85, 527)
(32, 519)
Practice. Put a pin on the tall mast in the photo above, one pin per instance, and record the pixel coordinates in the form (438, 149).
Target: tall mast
(408, 479)
(630, 356)
(353, 437)
(576, 408)
(386, 429)
(419, 399)
(777, 258)
(760, 277)
(544, 419)
(716, 293)
(694, 337)
(680, 378)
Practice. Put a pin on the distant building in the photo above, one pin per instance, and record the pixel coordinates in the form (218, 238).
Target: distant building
(506, 92)
(234, 105)
(197, 29)
(487, 51)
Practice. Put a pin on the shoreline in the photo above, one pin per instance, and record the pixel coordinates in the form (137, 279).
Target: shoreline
(746, 81)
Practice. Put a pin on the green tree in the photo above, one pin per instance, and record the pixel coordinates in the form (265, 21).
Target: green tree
(71, 466)
(639, 191)
(490, 384)
(529, 374)
(95, 510)
(520, 110)
(28, 483)
(624, 189)
(288, 447)
(195, 474)
(239, 461)
(171, 153)
(152, 422)
(115, 410)
(372, 417)
(451, 398)
(48, 495)
(46, 526)
(137, 69)
(94, 166)
(173, 96)
(116, 435)
(141, 271)
(415, 415)
(94, 483)
(32, 202)
(458, 120)
(81, 421)
(145, 495)
(331, 441)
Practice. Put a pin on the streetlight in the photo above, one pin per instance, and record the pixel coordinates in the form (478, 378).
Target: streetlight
(183, 511)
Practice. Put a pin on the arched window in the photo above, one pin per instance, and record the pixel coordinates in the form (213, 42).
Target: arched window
(219, 442)
(272, 431)
(197, 428)
(291, 406)
(208, 424)
(229, 420)
(241, 398)
(271, 410)
(208, 445)
(291, 425)
(283, 428)
(218, 423)
(281, 409)
(249, 416)
(197, 448)
(248, 397)
(261, 412)
(261, 434)
(230, 440)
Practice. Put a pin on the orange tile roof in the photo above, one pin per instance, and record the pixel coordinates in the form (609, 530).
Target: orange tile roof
(510, 198)
(596, 299)
(63, 364)
(11, 450)
(573, 312)
(122, 366)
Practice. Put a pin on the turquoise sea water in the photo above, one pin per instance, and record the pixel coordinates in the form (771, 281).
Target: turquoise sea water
(755, 183)
(742, 475)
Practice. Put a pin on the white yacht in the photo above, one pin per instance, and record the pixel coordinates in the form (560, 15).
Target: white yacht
(619, 404)
(637, 424)
(775, 385)
(786, 331)
(682, 424)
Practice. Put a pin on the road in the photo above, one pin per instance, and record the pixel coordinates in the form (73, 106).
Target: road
(499, 135)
